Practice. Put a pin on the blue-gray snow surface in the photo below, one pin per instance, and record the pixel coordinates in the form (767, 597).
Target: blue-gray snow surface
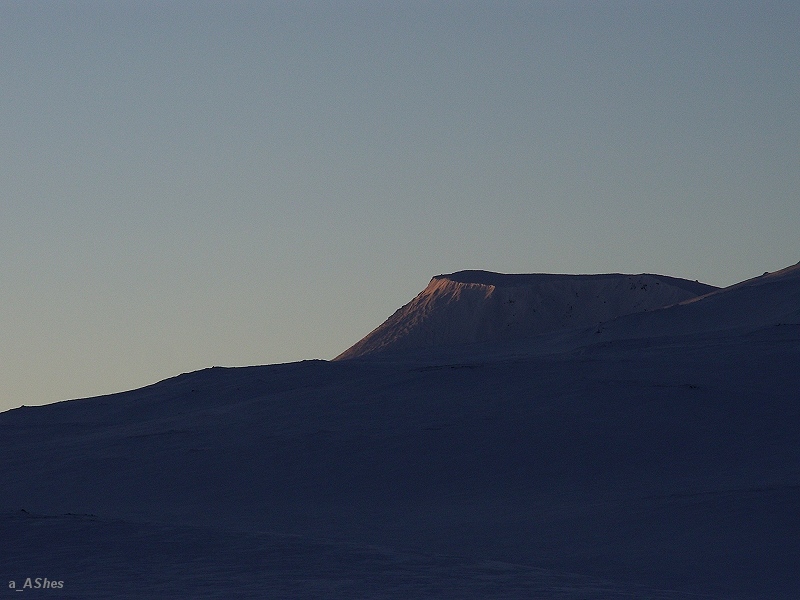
(652, 454)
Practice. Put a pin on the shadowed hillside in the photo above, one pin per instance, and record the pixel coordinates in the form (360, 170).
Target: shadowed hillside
(655, 457)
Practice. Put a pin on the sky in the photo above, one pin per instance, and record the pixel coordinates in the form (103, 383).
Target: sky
(189, 184)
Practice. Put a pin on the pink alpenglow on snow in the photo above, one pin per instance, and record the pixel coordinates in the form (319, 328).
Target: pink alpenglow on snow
(479, 306)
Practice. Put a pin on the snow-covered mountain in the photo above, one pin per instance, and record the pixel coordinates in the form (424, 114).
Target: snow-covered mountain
(656, 455)
(767, 300)
(479, 306)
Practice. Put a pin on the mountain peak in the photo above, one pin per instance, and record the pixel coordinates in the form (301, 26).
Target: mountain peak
(481, 306)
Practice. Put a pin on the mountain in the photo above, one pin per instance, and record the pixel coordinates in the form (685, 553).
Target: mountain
(480, 306)
(655, 456)
(772, 299)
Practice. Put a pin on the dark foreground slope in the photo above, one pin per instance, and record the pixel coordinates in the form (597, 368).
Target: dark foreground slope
(662, 467)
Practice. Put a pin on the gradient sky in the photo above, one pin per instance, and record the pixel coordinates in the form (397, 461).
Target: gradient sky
(188, 184)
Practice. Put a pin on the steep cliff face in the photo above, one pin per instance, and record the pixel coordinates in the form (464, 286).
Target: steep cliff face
(480, 306)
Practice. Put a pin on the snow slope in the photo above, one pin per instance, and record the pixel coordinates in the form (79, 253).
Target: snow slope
(100, 558)
(643, 467)
(479, 306)
(773, 299)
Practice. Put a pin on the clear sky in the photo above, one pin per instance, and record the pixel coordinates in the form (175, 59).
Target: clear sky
(188, 184)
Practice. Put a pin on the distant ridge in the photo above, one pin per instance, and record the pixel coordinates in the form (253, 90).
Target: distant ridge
(525, 279)
(482, 306)
(771, 299)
